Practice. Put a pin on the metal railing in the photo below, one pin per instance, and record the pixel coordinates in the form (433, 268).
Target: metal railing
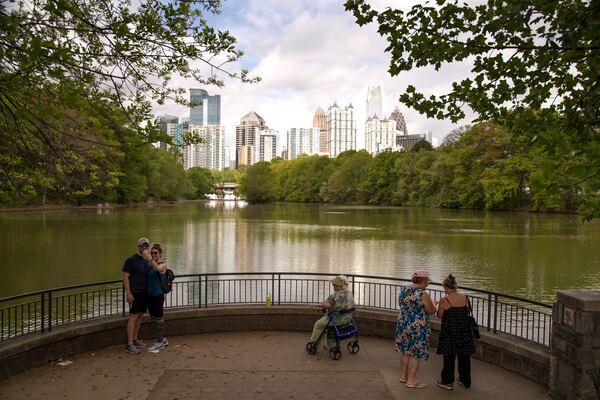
(41, 311)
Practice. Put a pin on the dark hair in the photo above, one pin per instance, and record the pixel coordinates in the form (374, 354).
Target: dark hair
(419, 279)
(450, 282)
(157, 247)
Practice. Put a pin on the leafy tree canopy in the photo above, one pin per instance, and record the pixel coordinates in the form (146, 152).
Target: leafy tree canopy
(531, 62)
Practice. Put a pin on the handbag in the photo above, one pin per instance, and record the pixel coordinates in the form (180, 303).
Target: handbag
(473, 326)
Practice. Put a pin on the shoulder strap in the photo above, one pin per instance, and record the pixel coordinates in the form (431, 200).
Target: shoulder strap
(448, 300)
(469, 305)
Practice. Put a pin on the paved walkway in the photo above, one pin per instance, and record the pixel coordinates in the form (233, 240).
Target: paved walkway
(253, 365)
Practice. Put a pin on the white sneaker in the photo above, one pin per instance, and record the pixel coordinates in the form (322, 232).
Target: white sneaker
(158, 346)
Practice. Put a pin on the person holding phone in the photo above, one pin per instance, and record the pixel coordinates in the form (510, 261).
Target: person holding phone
(156, 297)
(135, 271)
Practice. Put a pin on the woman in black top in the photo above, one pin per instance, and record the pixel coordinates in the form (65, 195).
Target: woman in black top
(456, 339)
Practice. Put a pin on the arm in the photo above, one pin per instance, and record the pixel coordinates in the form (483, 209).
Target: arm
(326, 304)
(126, 286)
(428, 304)
(160, 268)
(442, 306)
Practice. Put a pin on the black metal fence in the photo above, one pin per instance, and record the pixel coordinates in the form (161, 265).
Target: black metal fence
(44, 310)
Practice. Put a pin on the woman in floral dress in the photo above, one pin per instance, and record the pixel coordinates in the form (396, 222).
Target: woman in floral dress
(412, 330)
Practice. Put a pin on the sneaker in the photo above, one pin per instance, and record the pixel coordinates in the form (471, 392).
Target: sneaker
(462, 384)
(139, 343)
(447, 386)
(158, 346)
(131, 349)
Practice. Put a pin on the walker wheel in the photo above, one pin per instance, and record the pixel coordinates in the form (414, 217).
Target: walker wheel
(335, 353)
(311, 348)
(353, 347)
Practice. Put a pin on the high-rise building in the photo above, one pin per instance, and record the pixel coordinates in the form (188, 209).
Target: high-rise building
(407, 141)
(380, 135)
(303, 141)
(208, 154)
(204, 109)
(374, 102)
(168, 125)
(320, 121)
(341, 129)
(268, 143)
(400, 121)
(245, 135)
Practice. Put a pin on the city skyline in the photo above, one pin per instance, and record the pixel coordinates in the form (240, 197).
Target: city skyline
(310, 54)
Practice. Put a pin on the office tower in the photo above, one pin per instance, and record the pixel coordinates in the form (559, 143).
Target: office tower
(320, 121)
(380, 135)
(408, 141)
(429, 135)
(400, 122)
(341, 129)
(168, 126)
(268, 143)
(303, 141)
(209, 154)
(374, 102)
(204, 109)
(245, 135)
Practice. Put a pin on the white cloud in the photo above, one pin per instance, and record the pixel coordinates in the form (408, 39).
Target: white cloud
(311, 55)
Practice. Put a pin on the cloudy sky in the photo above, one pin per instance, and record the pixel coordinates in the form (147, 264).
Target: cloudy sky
(310, 53)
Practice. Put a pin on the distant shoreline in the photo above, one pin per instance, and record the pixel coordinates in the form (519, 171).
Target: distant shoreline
(104, 206)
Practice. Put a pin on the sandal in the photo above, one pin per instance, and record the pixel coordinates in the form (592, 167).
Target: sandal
(416, 385)
(403, 380)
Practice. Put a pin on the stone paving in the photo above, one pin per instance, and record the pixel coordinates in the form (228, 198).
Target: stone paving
(253, 365)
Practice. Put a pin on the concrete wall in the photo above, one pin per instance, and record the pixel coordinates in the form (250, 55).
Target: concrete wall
(17, 355)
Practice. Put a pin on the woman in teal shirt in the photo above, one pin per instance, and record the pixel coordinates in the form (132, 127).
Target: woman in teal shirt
(156, 297)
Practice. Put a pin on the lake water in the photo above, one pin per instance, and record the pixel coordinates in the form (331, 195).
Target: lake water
(529, 255)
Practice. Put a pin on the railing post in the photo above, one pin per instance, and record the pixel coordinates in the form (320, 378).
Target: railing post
(489, 313)
(124, 299)
(206, 291)
(49, 311)
(199, 291)
(272, 288)
(353, 285)
(43, 312)
(278, 289)
(495, 312)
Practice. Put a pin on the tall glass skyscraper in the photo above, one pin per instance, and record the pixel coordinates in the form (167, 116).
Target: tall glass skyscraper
(204, 109)
(374, 102)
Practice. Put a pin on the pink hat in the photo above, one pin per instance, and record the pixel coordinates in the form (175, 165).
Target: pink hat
(421, 273)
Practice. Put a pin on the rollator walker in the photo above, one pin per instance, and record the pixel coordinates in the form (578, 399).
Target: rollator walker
(339, 333)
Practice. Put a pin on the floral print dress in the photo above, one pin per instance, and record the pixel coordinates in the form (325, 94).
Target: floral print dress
(412, 330)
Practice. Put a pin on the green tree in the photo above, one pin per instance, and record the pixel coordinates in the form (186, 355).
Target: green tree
(202, 179)
(257, 184)
(344, 183)
(60, 59)
(422, 145)
(531, 62)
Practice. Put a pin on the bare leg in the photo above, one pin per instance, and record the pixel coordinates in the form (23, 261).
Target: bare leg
(132, 327)
(413, 366)
(403, 367)
(138, 323)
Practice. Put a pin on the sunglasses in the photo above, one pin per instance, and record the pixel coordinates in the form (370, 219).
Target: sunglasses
(154, 252)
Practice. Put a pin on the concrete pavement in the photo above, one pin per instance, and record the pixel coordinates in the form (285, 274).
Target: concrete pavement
(253, 365)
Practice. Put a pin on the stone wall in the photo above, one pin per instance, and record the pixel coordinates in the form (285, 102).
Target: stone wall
(514, 354)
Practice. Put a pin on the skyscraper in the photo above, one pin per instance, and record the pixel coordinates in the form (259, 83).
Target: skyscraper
(400, 122)
(302, 141)
(246, 134)
(380, 135)
(209, 154)
(374, 102)
(168, 125)
(320, 121)
(341, 129)
(268, 143)
(204, 109)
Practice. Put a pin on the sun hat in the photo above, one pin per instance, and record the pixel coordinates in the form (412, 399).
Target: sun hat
(143, 241)
(339, 280)
(421, 273)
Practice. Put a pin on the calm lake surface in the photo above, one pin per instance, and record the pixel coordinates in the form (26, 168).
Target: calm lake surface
(529, 255)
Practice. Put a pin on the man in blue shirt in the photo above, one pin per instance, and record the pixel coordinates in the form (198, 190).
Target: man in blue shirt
(134, 282)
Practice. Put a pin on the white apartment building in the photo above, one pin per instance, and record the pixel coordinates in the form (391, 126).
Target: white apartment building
(267, 145)
(380, 134)
(302, 141)
(211, 153)
(374, 101)
(341, 129)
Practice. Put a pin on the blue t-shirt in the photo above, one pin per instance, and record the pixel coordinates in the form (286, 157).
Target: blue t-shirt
(136, 267)
(153, 286)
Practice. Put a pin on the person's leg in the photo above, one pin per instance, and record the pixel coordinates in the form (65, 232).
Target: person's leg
(464, 369)
(447, 375)
(137, 324)
(141, 306)
(403, 367)
(411, 371)
(156, 310)
(318, 328)
(131, 328)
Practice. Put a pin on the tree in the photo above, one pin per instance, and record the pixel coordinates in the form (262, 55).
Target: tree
(257, 184)
(531, 62)
(422, 145)
(58, 58)
(202, 179)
